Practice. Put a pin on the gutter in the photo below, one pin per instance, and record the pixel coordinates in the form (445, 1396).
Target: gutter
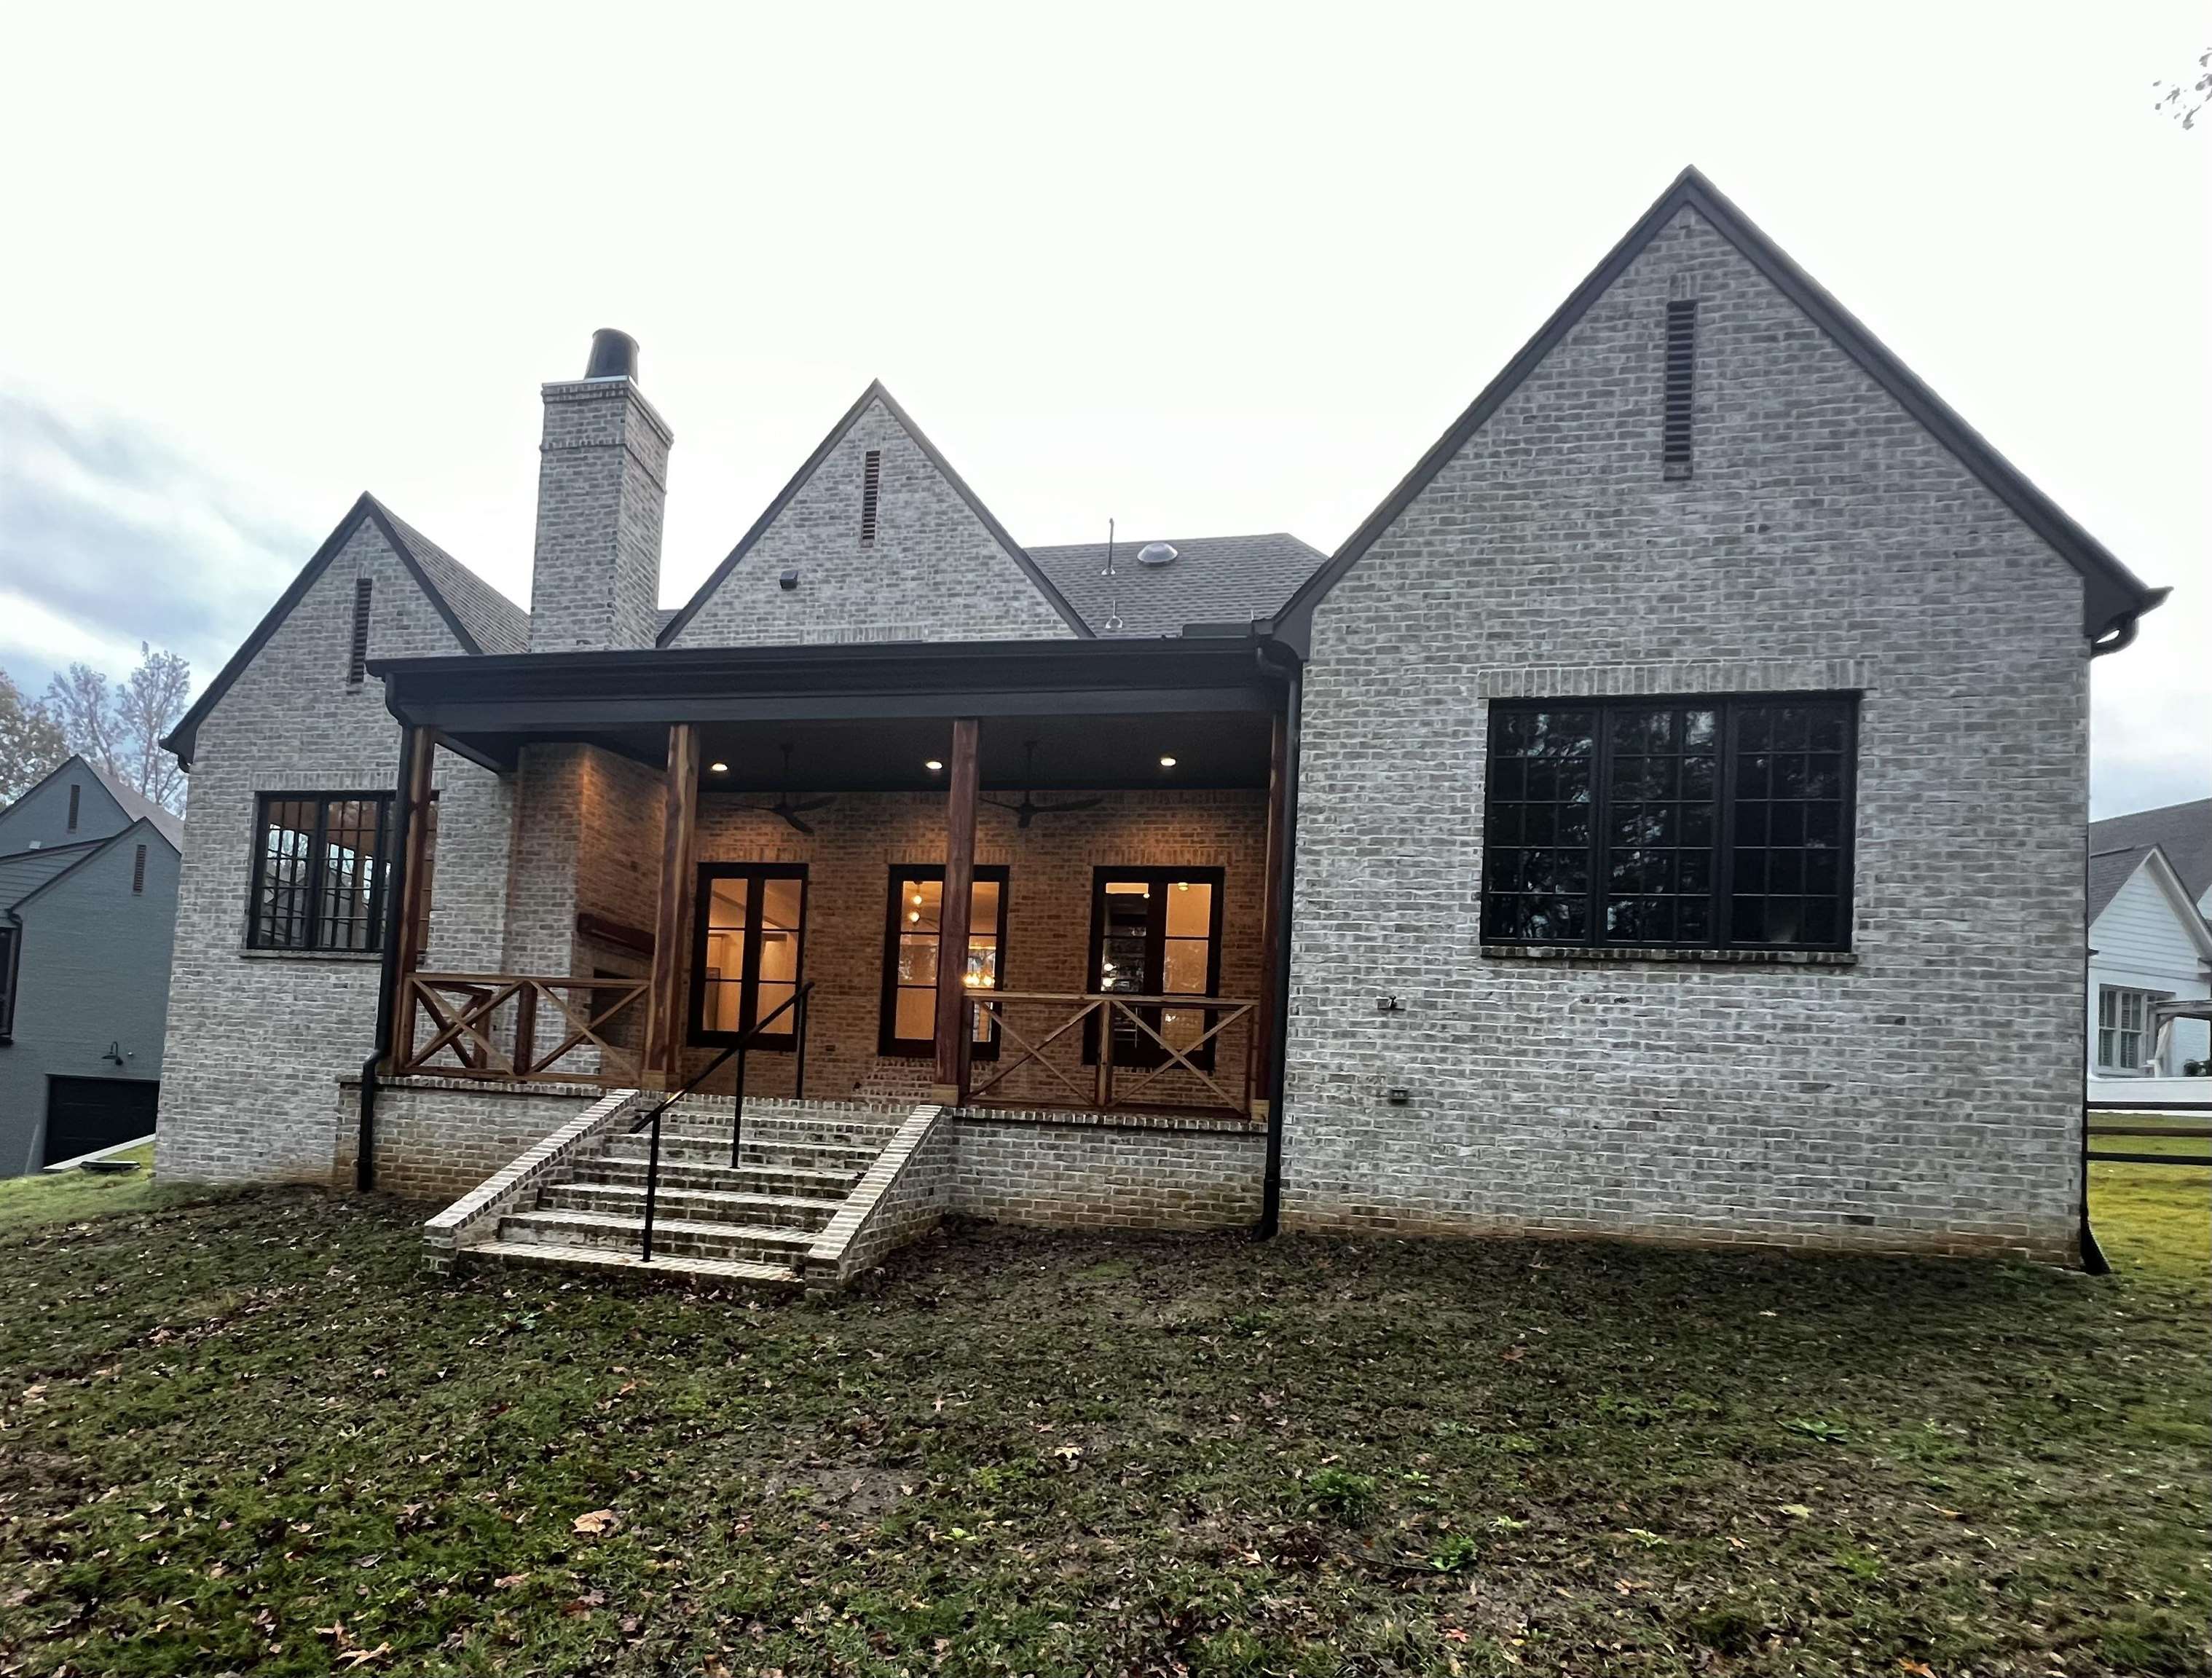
(387, 984)
(1271, 1191)
(2094, 1261)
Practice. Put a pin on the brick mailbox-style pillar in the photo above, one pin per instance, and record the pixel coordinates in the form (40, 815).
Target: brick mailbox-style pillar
(671, 919)
(952, 1022)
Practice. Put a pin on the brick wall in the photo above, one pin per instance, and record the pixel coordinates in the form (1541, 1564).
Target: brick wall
(934, 571)
(1081, 1170)
(256, 1042)
(437, 1138)
(861, 836)
(1925, 1096)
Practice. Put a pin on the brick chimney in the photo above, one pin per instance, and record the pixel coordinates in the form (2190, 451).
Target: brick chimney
(602, 481)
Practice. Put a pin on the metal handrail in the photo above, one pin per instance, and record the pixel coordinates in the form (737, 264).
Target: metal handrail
(797, 1000)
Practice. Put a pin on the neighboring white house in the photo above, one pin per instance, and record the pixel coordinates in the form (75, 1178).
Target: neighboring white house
(2150, 885)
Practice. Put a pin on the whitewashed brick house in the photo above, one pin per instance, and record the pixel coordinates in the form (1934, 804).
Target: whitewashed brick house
(1663, 818)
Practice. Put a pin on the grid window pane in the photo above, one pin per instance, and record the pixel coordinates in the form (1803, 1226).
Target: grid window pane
(1156, 935)
(1542, 785)
(750, 951)
(319, 873)
(909, 1023)
(1669, 821)
(1788, 822)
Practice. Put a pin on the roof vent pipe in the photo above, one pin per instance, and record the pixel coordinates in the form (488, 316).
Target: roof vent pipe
(614, 355)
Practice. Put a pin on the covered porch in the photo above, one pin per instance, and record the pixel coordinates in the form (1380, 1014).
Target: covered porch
(740, 871)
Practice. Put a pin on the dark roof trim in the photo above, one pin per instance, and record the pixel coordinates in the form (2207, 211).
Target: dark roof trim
(875, 393)
(2113, 596)
(562, 696)
(183, 737)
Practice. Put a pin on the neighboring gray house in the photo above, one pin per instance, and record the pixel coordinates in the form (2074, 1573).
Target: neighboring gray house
(88, 903)
(1662, 818)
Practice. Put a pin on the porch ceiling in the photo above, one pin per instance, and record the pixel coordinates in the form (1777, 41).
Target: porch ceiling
(1210, 750)
(870, 717)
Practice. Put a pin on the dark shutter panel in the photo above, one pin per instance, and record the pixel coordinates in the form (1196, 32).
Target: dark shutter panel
(357, 657)
(872, 475)
(74, 790)
(138, 872)
(1680, 387)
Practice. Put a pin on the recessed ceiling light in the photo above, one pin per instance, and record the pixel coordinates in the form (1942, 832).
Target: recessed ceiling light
(1167, 763)
(720, 769)
(934, 765)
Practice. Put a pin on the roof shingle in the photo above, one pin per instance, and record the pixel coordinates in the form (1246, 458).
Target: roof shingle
(1211, 580)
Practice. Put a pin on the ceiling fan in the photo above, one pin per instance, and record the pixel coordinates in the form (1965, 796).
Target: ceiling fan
(783, 805)
(1028, 809)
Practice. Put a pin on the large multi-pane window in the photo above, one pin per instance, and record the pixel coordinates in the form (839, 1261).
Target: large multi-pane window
(319, 864)
(748, 953)
(912, 938)
(1695, 823)
(1156, 931)
(2124, 1038)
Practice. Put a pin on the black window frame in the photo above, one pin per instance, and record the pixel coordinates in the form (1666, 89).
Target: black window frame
(1146, 1053)
(889, 1043)
(785, 1036)
(371, 916)
(1732, 710)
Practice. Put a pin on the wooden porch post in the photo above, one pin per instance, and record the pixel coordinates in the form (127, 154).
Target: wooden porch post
(413, 822)
(952, 1022)
(671, 918)
(1264, 1024)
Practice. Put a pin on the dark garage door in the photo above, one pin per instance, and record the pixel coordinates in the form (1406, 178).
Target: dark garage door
(85, 1115)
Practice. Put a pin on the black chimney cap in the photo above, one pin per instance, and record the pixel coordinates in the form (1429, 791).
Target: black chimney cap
(614, 355)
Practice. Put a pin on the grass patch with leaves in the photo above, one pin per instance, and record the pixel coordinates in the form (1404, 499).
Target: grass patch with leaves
(249, 1435)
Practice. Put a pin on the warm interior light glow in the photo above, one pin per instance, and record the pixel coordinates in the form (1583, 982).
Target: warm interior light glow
(720, 769)
(1167, 763)
(913, 914)
(934, 764)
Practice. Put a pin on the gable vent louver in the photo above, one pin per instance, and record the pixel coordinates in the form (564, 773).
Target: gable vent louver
(357, 653)
(872, 479)
(1680, 386)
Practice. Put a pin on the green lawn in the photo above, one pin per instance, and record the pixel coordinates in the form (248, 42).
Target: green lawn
(245, 1433)
(38, 1199)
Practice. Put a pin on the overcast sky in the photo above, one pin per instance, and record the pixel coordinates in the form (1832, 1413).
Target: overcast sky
(1199, 270)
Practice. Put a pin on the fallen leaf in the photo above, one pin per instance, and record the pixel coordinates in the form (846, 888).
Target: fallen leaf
(593, 1525)
(360, 1658)
(508, 1581)
(1802, 1512)
(1513, 1354)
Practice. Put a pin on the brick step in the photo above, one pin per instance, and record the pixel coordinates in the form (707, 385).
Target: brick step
(708, 1150)
(705, 1206)
(724, 1273)
(716, 1116)
(679, 1237)
(789, 1135)
(748, 1179)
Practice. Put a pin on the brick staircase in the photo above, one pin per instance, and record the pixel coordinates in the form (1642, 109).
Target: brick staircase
(752, 1224)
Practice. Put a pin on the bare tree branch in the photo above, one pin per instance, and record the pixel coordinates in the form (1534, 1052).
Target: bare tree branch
(31, 741)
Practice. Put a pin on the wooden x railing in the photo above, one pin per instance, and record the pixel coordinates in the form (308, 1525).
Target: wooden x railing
(517, 1027)
(1095, 1024)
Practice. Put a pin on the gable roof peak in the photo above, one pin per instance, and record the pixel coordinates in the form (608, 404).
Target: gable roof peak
(2114, 597)
(876, 392)
(481, 618)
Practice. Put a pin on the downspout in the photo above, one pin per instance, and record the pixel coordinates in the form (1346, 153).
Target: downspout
(2092, 1255)
(387, 985)
(1271, 1191)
